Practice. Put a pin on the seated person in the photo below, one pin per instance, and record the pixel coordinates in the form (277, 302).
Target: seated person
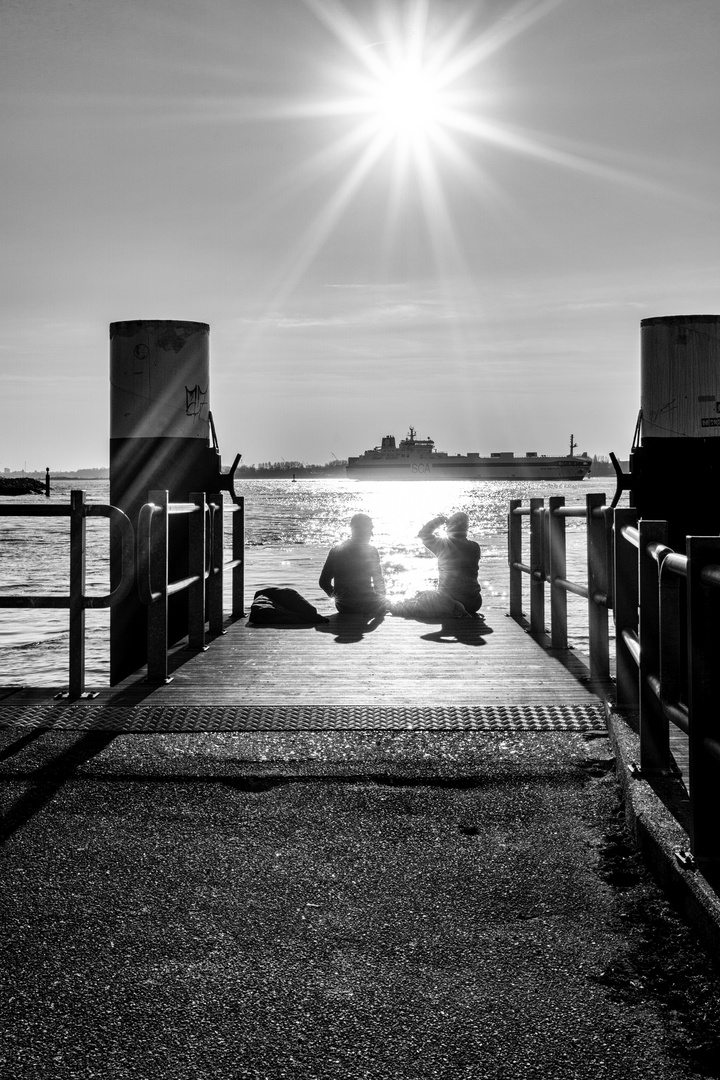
(352, 575)
(458, 560)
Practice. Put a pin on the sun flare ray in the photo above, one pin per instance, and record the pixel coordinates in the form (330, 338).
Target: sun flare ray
(406, 106)
(317, 233)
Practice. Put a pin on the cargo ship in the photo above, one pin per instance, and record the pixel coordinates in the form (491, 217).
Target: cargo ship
(417, 459)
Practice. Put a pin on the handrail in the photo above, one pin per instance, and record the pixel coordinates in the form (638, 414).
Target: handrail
(710, 575)
(678, 564)
(571, 587)
(659, 552)
(206, 566)
(144, 529)
(631, 534)
(632, 643)
(77, 601)
(677, 712)
(53, 600)
(144, 558)
(548, 566)
(146, 592)
(667, 617)
(666, 610)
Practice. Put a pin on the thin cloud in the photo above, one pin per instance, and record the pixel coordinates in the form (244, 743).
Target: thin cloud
(383, 313)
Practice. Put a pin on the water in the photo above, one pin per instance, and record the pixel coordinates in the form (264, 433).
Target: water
(289, 529)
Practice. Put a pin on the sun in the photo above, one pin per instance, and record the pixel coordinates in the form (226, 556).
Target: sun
(407, 101)
(413, 75)
(398, 77)
(403, 90)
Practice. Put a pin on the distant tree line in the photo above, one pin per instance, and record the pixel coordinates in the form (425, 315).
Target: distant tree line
(271, 470)
(81, 474)
(602, 466)
(66, 474)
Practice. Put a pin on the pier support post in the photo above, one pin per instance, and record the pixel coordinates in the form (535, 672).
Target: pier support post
(159, 439)
(677, 465)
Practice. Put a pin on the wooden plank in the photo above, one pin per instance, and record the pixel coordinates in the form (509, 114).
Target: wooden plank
(398, 661)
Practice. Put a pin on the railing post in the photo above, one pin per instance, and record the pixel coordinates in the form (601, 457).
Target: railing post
(673, 641)
(157, 665)
(196, 568)
(598, 588)
(515, 556)
(214, 595)
(625, 609)
(558, 569)
(76, 686)
(654, 726)
(703, 696)
(537, 563)
(238, 548)
(609, 564)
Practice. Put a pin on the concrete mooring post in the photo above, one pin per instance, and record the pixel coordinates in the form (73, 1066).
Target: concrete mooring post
(159, 439)
(675, 468)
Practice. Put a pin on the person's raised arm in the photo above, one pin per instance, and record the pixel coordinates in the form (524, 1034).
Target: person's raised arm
(426, 533)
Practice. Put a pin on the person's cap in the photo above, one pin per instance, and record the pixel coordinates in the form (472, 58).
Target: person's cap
(457, 524)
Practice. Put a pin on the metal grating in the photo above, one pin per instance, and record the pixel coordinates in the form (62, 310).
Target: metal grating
(167, 719)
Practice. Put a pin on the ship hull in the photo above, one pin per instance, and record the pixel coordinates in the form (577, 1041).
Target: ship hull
(426, 469)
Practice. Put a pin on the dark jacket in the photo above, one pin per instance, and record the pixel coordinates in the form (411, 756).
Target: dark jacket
(458, 564)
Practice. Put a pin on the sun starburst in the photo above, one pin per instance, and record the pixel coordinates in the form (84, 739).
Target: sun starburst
(405, 96)
(407, 101)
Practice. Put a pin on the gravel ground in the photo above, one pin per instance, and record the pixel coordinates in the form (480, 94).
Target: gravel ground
(337, 905)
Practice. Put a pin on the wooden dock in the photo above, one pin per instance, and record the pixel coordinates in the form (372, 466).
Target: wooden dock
(488, 673)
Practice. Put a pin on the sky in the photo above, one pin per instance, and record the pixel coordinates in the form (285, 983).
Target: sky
(450, 214)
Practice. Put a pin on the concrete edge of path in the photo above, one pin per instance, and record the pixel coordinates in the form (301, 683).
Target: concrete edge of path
(650, 809)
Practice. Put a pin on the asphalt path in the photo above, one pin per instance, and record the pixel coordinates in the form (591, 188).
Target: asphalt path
(326, 905)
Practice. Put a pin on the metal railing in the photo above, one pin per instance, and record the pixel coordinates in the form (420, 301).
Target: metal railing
(548, 565)
(145, 559)
(666, 612)
(668, 647)
(76, 600)
(204, 582)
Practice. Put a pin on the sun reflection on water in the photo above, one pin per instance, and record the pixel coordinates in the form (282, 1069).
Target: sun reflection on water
(305, 519)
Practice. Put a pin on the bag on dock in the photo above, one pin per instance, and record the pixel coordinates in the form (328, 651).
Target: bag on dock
(276, 606)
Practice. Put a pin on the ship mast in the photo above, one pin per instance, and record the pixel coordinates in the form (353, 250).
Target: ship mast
(573, 445)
